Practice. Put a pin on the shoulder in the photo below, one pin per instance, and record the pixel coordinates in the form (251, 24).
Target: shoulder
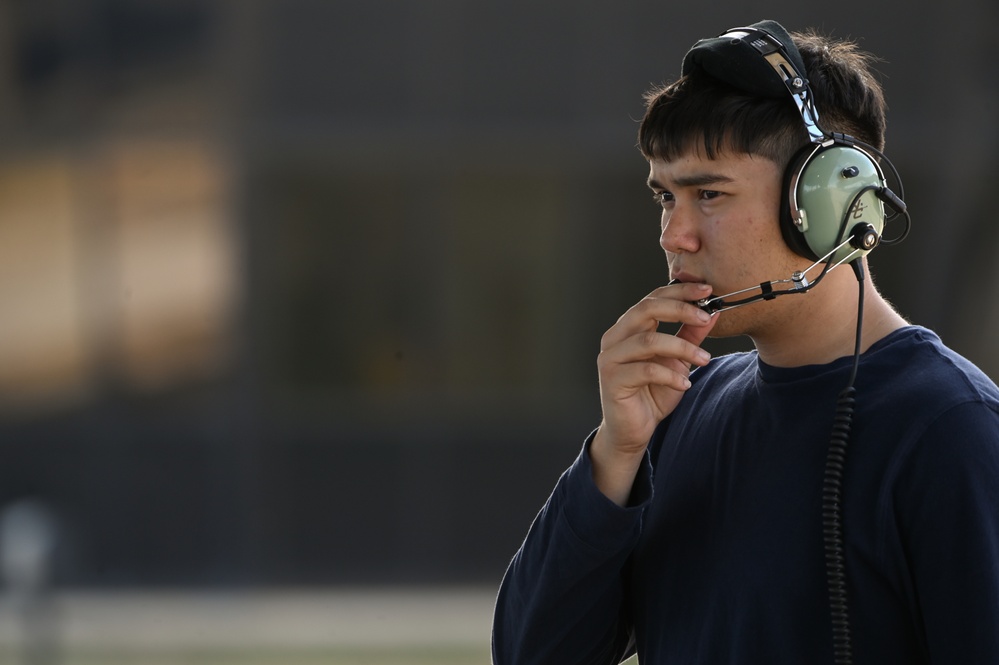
(939, 408)
(913, 368)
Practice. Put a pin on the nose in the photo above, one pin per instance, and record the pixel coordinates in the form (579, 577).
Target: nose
(679, 231)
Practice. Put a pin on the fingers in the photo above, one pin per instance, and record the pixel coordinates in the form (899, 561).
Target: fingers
(627, 378)
(668, 304)
(696, 334)
(654, 347)
(683, 290)
(634, 355)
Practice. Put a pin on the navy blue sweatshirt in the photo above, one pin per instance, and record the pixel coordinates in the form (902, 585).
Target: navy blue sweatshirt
(719, 558)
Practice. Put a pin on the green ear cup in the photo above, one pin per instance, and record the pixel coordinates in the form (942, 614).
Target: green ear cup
(824, 201)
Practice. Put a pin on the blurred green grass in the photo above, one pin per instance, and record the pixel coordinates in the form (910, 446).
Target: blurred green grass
(381, 626)
(339, 626)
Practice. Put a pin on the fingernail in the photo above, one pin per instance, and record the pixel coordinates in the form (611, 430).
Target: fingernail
(703, 355)
(703, 316)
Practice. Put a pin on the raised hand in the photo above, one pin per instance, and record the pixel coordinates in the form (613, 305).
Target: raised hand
(643, 376)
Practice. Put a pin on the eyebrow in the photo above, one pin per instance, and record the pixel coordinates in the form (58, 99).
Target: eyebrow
(693, 180)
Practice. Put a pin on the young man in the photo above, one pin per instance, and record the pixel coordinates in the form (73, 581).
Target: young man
(711, 518)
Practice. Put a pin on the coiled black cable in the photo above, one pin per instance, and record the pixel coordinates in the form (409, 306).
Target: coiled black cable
(832, 527)
(832, 497)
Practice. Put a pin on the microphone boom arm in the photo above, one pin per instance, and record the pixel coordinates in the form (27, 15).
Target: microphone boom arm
(798, 281)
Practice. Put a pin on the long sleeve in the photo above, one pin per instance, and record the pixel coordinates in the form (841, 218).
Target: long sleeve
(562, 598)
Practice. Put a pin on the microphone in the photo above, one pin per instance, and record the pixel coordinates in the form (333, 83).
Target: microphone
(863, 237)
(714, 304)
(798, 280)
(719, 304)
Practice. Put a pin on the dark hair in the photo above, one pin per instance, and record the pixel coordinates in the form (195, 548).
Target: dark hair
(698, 112)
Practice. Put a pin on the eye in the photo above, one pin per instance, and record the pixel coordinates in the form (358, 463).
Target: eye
(709, 194)
(663, 198)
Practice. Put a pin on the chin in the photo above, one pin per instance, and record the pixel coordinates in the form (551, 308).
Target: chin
(725, 327)
(758, 320)
(735, 322)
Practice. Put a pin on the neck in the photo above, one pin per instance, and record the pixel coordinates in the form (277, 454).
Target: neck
(824, 327)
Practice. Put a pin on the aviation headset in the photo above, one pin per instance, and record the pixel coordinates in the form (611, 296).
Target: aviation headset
(835, 191)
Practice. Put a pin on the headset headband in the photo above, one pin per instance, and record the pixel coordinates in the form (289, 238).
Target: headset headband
(774, 53)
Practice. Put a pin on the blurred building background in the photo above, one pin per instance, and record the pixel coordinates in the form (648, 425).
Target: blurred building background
(309, 292)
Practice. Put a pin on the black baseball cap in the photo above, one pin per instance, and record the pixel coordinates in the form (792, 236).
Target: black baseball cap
(737, 57)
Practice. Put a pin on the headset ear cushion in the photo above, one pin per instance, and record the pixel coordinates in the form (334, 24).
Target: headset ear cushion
(793, 236)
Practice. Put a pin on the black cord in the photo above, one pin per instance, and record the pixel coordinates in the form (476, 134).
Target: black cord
(832, 497)
(896, 203)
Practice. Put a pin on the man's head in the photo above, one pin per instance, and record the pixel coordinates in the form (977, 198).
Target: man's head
(717, 151)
